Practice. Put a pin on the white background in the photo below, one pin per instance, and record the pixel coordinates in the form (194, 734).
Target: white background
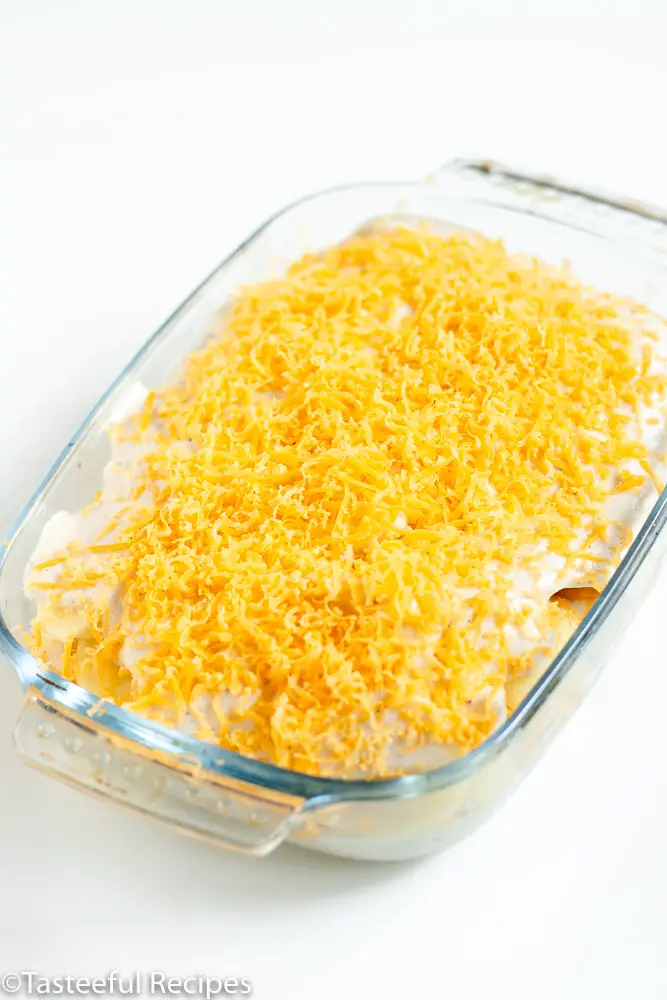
(139, 142)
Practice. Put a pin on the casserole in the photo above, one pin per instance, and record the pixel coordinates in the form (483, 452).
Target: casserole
(253, 806)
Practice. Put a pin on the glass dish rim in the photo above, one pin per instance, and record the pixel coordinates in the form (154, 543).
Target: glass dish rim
(315, 790)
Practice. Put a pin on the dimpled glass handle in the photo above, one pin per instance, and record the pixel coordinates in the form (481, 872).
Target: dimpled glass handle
(581, 207)
(214, 807)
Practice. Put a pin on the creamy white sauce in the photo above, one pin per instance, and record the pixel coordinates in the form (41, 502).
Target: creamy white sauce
(537, 575)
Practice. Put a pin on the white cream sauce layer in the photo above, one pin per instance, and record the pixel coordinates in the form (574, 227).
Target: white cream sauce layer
(537, 575)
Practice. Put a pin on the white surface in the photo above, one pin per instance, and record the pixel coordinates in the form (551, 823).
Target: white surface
(138, 143)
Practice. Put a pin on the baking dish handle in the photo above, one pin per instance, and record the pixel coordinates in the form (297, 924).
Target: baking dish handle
(634, 220)
(213, 807)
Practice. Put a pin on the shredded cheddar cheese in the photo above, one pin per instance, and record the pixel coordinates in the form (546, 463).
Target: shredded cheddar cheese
(337, 497)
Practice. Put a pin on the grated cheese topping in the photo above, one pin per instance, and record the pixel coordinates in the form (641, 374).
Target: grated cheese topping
(336, 538)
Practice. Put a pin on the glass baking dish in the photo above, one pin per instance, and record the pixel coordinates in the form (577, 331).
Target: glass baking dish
(251, 806)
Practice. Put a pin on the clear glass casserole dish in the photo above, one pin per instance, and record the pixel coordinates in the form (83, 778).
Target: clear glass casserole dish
(251, 806)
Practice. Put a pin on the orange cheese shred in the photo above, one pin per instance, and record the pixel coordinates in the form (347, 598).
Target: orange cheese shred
(345, 481)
